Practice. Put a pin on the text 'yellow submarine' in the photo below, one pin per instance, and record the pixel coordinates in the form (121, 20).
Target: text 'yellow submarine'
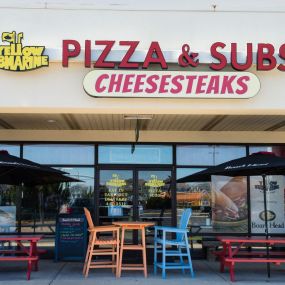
(16, 57)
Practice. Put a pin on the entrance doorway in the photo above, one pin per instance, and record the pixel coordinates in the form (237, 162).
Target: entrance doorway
(136, 194)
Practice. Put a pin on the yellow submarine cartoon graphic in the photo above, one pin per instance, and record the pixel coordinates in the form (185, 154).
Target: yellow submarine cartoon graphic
(16, 57)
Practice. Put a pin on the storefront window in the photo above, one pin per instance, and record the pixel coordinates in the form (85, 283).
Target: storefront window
(194, 195)
(218, 206)
(195, 155)
(275, 185)
(12, 149)
(207, 155)
(60, 154)
(276, 149)
(9, 204)
(41, 204)
(225, 153)
(141, 154)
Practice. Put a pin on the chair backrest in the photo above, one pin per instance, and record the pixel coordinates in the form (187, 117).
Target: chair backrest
(89, 218)
(184, 220)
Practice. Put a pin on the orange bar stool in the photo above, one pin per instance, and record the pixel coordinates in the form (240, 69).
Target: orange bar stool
(99, 245)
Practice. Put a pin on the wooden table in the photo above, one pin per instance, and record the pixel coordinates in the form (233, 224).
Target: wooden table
(22, 252)
(133, 226)
(232, 253)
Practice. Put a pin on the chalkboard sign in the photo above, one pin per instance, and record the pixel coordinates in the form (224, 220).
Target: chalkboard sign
(71, 237)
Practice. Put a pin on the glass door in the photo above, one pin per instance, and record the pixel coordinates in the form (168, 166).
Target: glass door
(154, 198)
(116, 195)
(135, 195)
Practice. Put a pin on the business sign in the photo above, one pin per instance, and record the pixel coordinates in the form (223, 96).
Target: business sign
(16, 57)
(264, 56)
(275, 204)
(170, 84)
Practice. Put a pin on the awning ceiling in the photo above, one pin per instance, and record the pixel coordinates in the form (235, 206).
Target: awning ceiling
(158, 122)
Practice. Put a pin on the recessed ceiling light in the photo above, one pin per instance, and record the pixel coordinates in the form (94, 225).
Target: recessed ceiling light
(51, 121)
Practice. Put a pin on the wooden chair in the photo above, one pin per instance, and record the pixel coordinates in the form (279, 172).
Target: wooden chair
(110, 246)
(180, 243)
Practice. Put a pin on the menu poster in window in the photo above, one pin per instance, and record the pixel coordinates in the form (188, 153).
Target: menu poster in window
(229, 203)
(71, 237)
(275, 204)
(116, 196)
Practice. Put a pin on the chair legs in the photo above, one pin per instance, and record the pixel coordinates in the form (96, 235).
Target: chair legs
(181, 259)
(189, 257)
(93, 252)
(87, 253)
(155, 258)
(164, 265)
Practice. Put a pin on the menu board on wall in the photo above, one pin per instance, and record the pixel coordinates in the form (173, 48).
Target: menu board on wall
(71, 237)
(275, 204)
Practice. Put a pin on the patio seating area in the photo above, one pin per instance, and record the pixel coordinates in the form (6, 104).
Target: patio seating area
(206, 272)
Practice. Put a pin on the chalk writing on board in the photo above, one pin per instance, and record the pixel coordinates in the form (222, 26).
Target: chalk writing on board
(71, 235)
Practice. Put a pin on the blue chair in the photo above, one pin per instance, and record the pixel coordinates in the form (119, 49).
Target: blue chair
(179, 246)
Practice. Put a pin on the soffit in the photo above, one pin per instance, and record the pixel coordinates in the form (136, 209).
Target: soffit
(157, 123)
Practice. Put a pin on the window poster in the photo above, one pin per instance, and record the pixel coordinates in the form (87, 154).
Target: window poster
(7, 219)
(229, 203)
(275, 204)
(116, 196)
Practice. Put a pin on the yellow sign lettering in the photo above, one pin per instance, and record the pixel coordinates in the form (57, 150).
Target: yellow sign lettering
(16, 57)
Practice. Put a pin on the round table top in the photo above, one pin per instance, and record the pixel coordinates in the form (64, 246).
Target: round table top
(133, 224)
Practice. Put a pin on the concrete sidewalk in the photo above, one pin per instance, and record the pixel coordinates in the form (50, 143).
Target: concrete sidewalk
(70, 273)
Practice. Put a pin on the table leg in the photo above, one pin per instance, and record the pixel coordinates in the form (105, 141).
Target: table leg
(144, 252)
(117, 253)
(121, 252)
(231, 265)
(34, 253)
(29, 269)
(232, 274)
(222, 258)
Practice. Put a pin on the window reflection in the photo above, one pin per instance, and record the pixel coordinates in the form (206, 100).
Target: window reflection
(142, 154)
(207, 155)
(218, 206)
(155, 196)
(195, 195)
(277, 149)
(12, 149)
(195, 155)
(9, 203)
(41, 204)
(59, 153)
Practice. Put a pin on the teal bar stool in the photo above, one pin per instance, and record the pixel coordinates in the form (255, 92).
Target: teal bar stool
(179, 246)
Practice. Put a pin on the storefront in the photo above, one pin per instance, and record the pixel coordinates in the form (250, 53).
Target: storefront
(128, 101)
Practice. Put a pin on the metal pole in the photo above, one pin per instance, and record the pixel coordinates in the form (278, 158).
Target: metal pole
(266, 222)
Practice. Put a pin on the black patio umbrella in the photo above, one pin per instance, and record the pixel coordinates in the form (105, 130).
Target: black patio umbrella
(257, 164)
(19, 171)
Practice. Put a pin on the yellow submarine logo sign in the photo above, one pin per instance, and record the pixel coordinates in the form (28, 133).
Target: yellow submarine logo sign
(154, 182)
(16, 57)
(116, 181)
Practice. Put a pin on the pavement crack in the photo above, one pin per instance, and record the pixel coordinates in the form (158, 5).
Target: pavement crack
(58, 272)
(218, 273)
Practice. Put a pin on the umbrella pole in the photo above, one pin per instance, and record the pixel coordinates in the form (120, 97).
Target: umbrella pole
(266, 222)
